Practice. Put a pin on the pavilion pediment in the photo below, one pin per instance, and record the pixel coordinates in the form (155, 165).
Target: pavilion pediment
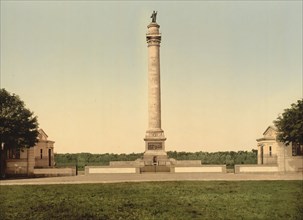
(42, 135)
(270, 132)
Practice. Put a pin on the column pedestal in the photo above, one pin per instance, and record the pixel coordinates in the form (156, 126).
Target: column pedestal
(155, 145)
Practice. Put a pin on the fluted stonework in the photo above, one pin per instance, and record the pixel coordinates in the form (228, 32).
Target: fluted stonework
(154, 138)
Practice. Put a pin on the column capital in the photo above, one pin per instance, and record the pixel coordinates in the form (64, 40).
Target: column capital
(153, 36)
(153, 41)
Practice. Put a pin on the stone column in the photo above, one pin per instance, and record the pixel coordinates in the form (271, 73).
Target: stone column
(154, 138)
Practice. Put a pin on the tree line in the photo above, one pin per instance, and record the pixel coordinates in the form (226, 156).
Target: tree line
(230, 158)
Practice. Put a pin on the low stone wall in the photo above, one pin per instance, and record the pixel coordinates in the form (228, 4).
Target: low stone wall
(131, 167)
(201, 169)
(124, 163)
(108, 169)
(187, 163)
(293, 164)
(55, 171)
(254, 168)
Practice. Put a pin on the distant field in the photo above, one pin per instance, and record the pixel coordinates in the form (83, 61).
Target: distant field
(155, 200)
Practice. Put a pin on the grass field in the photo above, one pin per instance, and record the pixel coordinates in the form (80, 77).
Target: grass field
(155, 200)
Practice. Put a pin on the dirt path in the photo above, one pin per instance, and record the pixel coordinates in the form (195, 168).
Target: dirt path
(114, 178)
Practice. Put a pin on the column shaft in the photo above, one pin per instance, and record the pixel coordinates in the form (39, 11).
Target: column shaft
(154, 89)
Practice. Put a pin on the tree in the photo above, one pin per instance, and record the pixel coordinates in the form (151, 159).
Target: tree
(290, 124)
(18, 125)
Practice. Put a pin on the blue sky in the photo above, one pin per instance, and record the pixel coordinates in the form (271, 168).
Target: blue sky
(228, 69)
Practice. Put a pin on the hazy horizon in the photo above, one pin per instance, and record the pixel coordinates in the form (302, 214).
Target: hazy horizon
(228, 69)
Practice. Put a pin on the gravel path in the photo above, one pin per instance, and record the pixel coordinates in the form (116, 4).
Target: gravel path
(114, 178)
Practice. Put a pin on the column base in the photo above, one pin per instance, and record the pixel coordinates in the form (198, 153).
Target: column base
(155, 148)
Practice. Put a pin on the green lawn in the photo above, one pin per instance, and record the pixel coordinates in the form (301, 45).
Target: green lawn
(155, 200)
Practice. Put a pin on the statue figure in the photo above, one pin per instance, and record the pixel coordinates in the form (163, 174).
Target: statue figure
(154, 16)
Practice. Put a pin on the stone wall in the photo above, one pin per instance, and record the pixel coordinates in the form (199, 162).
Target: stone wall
(187, 162)
(256, 168)
(287, 162)
(54, 171)
(124, 163)
(23, 166)
(16, 167)
(108, 170)
(201, 169)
